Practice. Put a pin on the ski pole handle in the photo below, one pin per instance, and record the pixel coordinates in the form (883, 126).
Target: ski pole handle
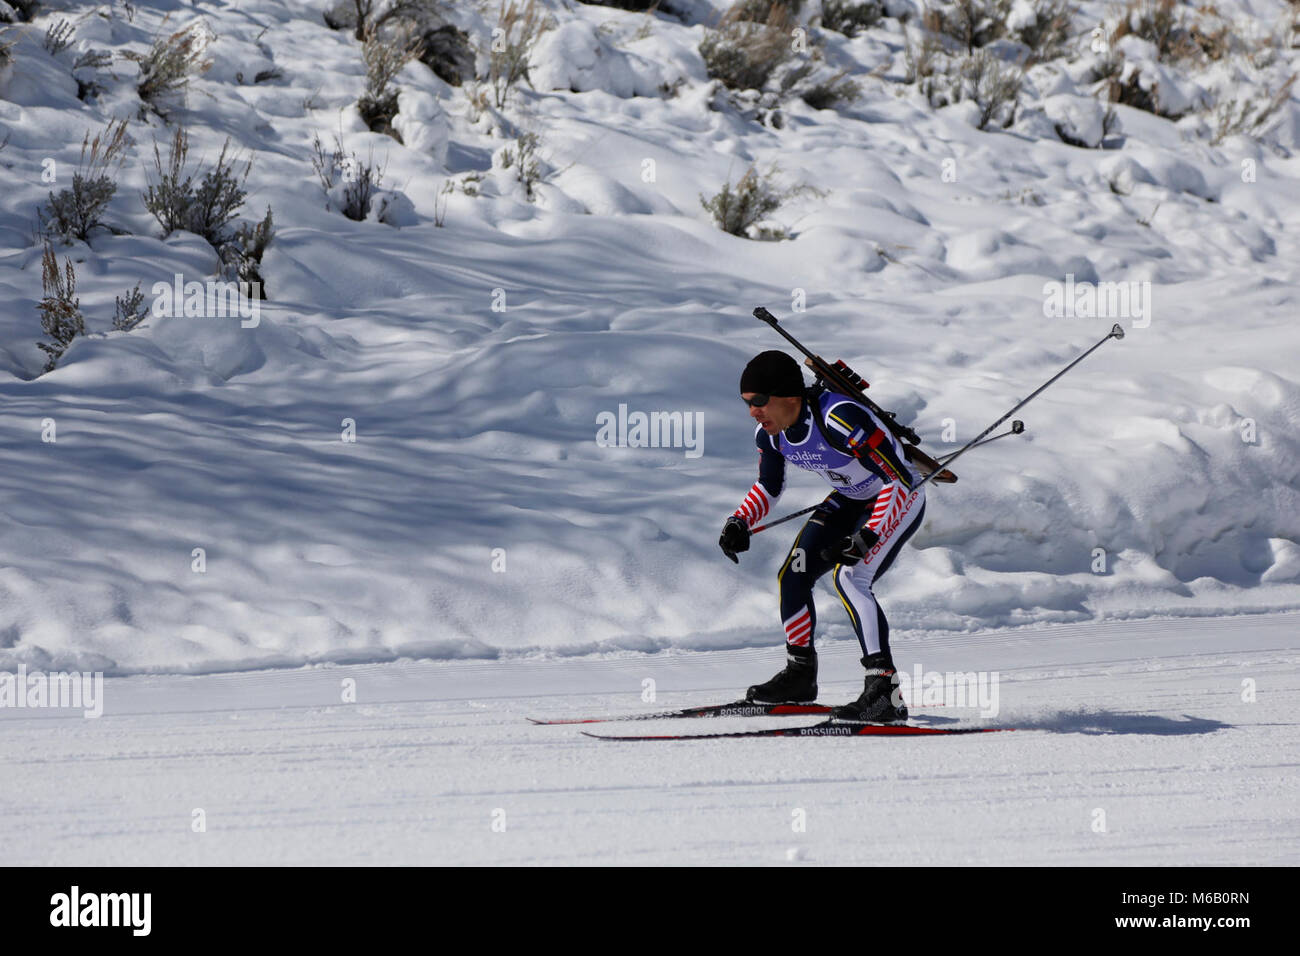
(1017, 427)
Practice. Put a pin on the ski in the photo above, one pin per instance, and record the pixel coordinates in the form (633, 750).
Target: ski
(829, 728)
(740, 708)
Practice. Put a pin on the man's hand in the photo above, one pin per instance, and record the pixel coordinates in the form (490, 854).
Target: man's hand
(734, 537)
(851, 549)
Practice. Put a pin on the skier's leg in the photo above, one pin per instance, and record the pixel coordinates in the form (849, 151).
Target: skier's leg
(831, 522)
(880, 700)
(834, 519)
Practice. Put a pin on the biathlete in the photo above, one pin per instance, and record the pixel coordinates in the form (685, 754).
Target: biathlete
(875, 507)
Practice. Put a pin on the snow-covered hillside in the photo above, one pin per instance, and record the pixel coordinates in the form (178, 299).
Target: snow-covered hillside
(475, 332)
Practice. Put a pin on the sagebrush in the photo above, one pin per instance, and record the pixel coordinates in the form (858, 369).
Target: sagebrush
(740, 208)
(979, 77)
(58, 36)
(1248, 116)
(179, 199)
(1047, 34)
(743, 54)
(360, 180)
(528, 168)
(831, 92)
(974, 24)
(166, 69)
(60, 309)
(385, 55)
(1158, 21)
(518, 27)
(851, 17)
(75, 211)
(128, 311)
(922, 54)
(760, 11)
(243, 254)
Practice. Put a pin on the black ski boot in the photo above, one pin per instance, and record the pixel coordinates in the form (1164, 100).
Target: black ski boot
(881, 701)
(796, 684)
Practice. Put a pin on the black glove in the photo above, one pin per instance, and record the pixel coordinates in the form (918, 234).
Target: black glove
(852, 549)
(734, 537)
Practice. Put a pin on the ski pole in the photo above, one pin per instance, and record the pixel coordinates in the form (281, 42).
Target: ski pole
(1116, 332)
(1017, 427)
(771, 524)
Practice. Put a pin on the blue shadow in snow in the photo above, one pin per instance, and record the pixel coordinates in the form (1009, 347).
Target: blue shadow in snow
(1102, 722)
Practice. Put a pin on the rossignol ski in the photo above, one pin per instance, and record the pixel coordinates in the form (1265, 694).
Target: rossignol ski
(741, 708)
(829, 728)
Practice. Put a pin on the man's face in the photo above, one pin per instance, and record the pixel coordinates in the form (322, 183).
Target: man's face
(779, 413)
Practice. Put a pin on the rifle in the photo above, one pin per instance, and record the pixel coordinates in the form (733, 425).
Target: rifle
(842, 379)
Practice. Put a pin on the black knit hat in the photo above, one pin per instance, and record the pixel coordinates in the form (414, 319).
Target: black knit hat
(772, 373)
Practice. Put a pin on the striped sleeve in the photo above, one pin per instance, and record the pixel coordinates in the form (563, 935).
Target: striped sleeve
(888, 504)
(771, 481)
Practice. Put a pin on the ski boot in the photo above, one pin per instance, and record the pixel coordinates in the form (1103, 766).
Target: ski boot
(881, 701)
(796, 684)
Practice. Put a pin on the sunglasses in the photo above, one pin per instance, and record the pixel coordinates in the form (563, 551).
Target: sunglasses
(758, 401)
